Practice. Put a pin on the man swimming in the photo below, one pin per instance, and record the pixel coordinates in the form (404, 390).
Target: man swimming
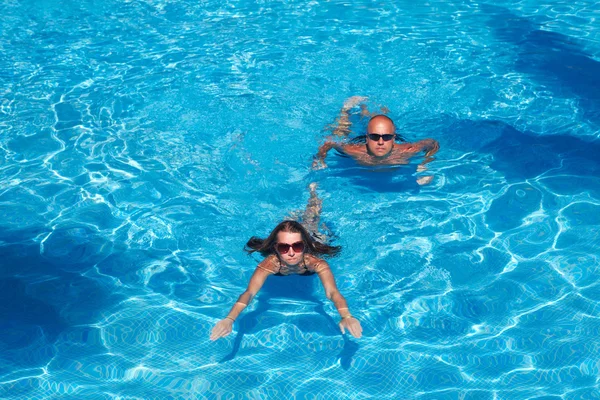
(380, 148)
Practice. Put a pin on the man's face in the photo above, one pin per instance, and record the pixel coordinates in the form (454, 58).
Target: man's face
(380, 147)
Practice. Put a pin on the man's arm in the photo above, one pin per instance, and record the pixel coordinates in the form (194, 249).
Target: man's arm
(429, 146)
(319, 158)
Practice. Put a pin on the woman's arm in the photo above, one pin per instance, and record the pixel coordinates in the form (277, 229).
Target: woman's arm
(225, 326)
(333, 294)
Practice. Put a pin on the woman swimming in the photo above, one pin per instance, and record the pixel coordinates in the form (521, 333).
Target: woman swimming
(290, 249)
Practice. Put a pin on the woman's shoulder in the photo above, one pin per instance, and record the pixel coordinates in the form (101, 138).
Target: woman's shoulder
(270, 264)
(315, 263)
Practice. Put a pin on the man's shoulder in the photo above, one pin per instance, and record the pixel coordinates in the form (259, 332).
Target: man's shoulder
(353, 148)
(405, 147)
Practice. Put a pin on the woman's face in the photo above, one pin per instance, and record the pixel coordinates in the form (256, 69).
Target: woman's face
(290, 247)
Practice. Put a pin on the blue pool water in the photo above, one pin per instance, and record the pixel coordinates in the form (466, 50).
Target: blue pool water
(143, 142)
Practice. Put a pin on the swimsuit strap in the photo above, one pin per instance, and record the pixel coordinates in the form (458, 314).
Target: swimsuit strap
(317, 266)
(264, 269)
(267, 269)
(306, 270)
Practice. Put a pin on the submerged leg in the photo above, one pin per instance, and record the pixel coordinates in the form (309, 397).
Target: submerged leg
(312, 213)
(311, 216)
(365, 113)
(342, 125)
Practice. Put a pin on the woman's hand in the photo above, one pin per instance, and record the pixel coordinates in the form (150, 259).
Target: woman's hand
(353, 326)
(221, 329)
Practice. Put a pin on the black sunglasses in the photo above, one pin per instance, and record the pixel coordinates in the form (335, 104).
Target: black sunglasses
(376, 136)
(283, 248)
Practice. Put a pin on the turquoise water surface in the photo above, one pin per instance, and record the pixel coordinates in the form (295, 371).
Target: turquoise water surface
(143, 142)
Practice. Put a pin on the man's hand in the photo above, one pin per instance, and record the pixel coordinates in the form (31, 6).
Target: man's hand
(318, 163)
(433, 147)
(424, 180)
(319, 160)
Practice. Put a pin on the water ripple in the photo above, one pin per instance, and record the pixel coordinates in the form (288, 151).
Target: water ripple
(145, 142)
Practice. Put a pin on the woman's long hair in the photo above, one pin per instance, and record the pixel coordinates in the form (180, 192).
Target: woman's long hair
(311, 246)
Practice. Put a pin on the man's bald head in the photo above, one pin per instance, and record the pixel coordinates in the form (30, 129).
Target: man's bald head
(381, 124)
(380, 136)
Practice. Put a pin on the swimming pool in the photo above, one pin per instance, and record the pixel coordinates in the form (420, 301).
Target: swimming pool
(143, 142)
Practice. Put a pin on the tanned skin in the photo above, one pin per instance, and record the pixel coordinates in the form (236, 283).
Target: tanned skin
(378, 152)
